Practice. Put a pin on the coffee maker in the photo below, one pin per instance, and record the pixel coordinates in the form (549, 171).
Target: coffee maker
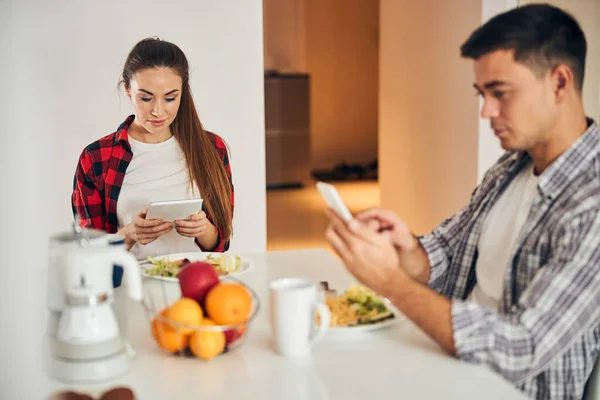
(86, 342)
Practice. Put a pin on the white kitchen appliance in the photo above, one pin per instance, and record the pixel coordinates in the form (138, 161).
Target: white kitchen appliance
(86, 340)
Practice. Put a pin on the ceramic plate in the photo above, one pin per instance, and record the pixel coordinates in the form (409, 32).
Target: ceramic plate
(360, 329)
(246, 264)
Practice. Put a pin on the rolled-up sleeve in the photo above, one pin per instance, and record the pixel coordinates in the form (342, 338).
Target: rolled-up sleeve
(221, 246)
(441, 244)
(557, 307)
(439, 254)
(86, 199)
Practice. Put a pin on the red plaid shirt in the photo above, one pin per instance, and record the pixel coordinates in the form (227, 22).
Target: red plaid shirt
(99, 177)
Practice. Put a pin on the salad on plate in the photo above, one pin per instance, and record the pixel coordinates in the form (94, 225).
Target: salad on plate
(224, 265)
(356, 306)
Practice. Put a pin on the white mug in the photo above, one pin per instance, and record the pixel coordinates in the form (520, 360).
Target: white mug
(293, 303)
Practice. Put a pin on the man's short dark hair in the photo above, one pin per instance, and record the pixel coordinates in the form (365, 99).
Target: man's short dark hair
(542, 36)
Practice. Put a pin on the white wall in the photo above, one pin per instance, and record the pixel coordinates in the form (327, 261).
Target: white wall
(69, 59)
(489, 147)
(61, 62)
(19, 216)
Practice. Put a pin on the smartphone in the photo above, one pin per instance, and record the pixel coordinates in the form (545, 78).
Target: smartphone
(334, 200)
(172, 210)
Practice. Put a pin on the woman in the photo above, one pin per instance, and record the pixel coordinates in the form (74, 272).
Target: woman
(161, 152)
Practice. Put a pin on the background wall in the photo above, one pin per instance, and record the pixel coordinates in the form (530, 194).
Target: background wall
(342, 56)
(489, 149)
(336, 42)
(68, 65)
(428, 129)
(61, 62)
(284, 29)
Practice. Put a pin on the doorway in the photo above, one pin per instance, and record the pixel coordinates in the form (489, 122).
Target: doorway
(322, 58)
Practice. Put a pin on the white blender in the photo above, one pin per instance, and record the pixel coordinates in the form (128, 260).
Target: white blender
(85, 339)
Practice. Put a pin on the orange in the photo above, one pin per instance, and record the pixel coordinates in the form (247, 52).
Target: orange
(185, 311)
(207, 344)
(228, 303)
(167, 336)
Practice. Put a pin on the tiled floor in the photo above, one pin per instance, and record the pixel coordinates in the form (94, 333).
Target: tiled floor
(296, 217)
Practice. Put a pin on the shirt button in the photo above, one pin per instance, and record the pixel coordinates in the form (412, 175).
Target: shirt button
(513, 308)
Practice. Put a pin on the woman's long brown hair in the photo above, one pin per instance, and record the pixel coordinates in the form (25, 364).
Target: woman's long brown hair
(203, 162)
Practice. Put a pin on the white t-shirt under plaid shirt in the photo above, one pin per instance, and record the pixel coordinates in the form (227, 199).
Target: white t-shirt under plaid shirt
(544, 336)
(498, 236)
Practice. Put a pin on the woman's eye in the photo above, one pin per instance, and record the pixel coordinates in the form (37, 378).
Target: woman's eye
(170, 100)
(498, 94)
(145, 99)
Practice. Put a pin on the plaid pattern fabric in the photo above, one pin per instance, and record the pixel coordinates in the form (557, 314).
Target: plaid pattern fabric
(99, 177)
(545, 335)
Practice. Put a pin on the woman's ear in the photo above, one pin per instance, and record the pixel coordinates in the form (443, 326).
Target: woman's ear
(127, 90)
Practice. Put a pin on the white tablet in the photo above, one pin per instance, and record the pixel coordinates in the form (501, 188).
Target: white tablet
(334, 200)
(174, 209)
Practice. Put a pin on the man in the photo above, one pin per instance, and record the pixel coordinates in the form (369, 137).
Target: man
(512, 281)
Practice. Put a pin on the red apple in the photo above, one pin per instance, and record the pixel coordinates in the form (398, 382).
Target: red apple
(196, 279)
(234, 334)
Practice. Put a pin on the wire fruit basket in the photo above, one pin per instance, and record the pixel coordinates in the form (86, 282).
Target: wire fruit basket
(177, 329)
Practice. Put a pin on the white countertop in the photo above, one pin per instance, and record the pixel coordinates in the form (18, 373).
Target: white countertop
(398, 362)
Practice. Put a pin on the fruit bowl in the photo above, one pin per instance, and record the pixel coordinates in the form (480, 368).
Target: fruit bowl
(186, 327)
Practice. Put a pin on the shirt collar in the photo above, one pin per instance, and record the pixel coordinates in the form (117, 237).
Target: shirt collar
(121, 135)
(565, 168)
(571, 163)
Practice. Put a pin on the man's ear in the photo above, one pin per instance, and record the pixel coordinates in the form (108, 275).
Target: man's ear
(562, 81)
